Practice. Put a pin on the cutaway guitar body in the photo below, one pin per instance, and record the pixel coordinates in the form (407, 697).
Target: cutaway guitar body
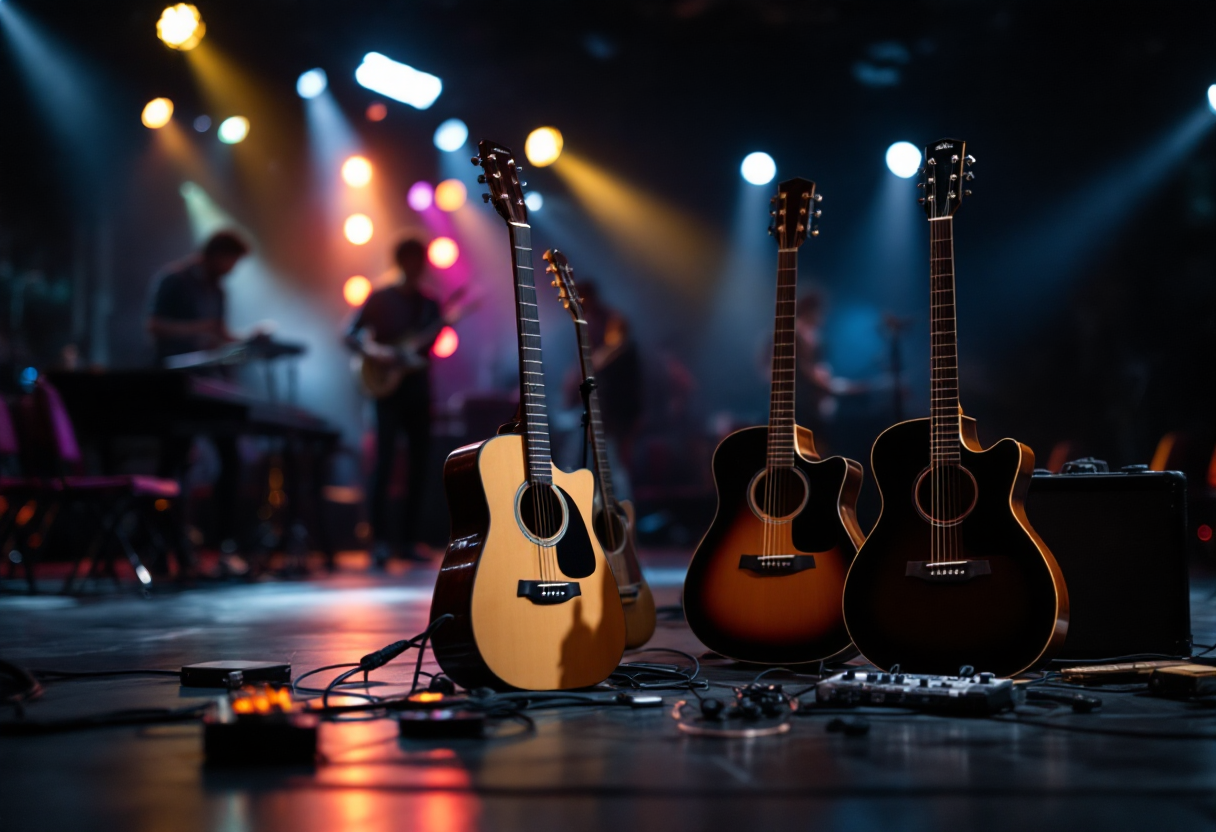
(995, 600)
(767, 589)
(527, 616)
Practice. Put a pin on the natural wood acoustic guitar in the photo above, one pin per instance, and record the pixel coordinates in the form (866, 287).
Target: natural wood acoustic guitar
(952, 574)
(534, 602)
(614, 519)
(765, 583)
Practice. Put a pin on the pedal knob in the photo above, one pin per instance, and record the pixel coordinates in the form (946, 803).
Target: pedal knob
(985, 678)
(899, 680)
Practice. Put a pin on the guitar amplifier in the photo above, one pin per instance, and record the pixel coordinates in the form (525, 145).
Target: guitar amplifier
(1120, 540)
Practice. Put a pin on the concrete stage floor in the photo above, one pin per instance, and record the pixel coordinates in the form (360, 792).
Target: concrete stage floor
(582, 769)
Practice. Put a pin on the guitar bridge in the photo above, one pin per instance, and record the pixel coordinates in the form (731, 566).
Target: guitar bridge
(629, 594)
(776, 564)
(947, 572)
(548, 592)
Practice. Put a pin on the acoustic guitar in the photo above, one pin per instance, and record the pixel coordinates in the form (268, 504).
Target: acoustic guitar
(534, 602)
(380, 379)
(765, 583)
(614, 519)
(952, 573)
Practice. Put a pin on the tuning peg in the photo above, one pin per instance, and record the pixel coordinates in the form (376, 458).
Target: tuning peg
(523, 184)
(519, 168)
(969, 159)
(921, 200)
(481, 179)
(485, 198)
(770, 231)
(966, 193)
(814, 232)
(932, 161)
(920, 184)
(817, 214)
(476, 161)
(968, 176)
(819, 197)
(954, 159)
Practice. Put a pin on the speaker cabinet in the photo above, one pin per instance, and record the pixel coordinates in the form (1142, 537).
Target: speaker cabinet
(1120, 540)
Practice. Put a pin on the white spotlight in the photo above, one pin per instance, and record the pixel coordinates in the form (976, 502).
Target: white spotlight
(1212, 97)
(534, 201)
(451, 135)
(758, 168)
(398, 81)
(312, 83)
(903, 158)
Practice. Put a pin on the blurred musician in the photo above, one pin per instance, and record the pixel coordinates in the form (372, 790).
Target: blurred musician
(187, 314)
(816, 389)
(389, 317)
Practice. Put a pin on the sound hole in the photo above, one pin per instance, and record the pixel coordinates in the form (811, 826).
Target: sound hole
(610, 529)
(945, 494)
(542, 512)
(778, 494)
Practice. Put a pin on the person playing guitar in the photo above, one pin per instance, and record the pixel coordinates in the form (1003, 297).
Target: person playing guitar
(393, 332)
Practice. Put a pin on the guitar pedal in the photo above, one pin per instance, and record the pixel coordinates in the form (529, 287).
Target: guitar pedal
(976, 695)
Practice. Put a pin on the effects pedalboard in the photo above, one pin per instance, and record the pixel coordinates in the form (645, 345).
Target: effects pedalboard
(980, 694)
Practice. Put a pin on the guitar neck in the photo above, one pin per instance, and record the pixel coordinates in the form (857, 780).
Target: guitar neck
(599, 446)
(943, 411)
(531, 367)
(781, 400)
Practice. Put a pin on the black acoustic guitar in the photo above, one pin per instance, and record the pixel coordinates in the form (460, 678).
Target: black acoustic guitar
(614, 519)
(765, 583)
(534, 603)
(952, 574)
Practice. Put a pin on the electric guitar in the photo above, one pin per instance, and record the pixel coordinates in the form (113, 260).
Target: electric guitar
(381, 379)
(952, 574)
(765, 583)
(534, 602)
(614, 519)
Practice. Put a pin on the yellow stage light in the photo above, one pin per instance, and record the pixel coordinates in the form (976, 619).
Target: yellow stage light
(356, 290)
(356, 171)
(233, 130)
(543, 146)
(442, 252)
(358, 228)
(450, 194)
(157, 113)
(180, 27)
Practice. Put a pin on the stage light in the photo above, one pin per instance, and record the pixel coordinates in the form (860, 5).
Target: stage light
(376, 112)
(234, 130)
(758, 168)
(442, 252)
(157, 113)
(421, 196)
(398, 81)
(534, 201)
(180, 27)
(903, 159)
(358, 228)
(543, 146)
(451, 135)
(312, 83)
(356, 289)
(1212, 97)
(356, 171)
(450, 194)
(446, 343)
(202, 124)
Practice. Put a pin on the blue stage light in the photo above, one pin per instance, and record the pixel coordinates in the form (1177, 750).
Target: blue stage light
(534, 201)
(1212, 97)
(312, 83)
(398, 81)
(903, 159)
(451, 135)
(758, 168)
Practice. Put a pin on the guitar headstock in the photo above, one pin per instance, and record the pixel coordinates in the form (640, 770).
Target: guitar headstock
(795, 212)
(945, 177)
(563, 279)
(502, 175)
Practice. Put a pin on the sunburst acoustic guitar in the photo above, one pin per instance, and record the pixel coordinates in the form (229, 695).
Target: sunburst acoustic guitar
(614, 519)
(765, 583)
(952, 574)
(534, 602)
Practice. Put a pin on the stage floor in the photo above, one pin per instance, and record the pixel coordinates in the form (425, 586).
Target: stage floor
(582, 769)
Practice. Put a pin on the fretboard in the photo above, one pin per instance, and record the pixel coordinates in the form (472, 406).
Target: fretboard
(599, 447)
(943, 404)
(531, 368)
(781, 398)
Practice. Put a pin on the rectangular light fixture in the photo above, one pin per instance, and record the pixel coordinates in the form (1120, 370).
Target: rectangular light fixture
(398, 81)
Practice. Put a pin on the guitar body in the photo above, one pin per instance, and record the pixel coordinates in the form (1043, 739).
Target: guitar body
(636, 597)
(498, 638)
(379, 380)
(1004, 620)
(774, 616)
